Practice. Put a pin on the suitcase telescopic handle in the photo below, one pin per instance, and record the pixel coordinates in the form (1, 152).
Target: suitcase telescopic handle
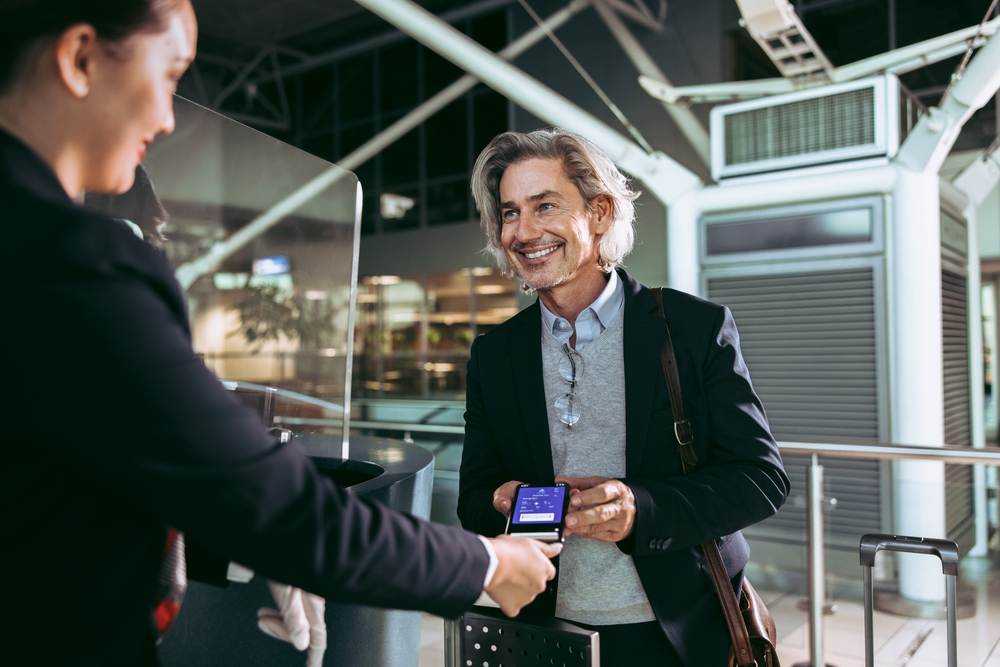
(946, 550)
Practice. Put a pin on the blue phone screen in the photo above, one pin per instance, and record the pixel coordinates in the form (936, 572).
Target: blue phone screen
(539, 505)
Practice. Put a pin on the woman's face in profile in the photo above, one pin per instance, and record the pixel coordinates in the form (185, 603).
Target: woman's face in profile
(132, 94)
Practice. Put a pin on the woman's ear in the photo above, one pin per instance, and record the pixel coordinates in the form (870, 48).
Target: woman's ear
(75, 50)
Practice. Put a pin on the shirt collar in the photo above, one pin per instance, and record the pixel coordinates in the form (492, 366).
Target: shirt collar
(608, 303)
(25, 169)
(605, 306)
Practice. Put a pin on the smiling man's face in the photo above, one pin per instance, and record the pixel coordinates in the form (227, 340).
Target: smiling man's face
(548, 235)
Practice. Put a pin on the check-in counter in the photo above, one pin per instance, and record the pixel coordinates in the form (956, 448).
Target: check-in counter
(217, 627)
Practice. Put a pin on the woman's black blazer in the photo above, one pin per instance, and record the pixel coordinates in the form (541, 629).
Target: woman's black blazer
(115, 430)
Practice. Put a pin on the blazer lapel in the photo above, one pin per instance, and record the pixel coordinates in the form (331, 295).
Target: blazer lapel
(643, 337)
(529, 388)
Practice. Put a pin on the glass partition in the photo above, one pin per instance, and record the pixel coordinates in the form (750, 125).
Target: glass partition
(263, 238)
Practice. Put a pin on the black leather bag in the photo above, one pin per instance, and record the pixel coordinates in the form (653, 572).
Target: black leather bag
(751, 628)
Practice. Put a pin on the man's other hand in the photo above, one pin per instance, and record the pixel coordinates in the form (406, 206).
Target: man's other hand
(503, 498)
(600, 508)
(523, 567)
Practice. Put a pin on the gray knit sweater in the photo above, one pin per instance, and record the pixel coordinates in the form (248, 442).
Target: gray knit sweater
(598, 584)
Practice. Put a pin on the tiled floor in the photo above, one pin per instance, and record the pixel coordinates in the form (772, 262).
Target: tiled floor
(899, 641)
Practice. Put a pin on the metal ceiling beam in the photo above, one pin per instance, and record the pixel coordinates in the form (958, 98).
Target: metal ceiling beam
(730, 91)
(930, 141)
(664, 177)
(979, 178)
(898, 61)
(189, 272)
(684, 118)
(915, 56)
(241, 78)
(232, 78)
(391, 37)
(639, 13)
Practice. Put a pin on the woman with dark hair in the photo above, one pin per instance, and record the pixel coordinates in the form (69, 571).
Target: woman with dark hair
(127, 432)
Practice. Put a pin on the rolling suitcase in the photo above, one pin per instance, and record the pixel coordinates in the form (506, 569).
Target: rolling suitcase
(945, 550)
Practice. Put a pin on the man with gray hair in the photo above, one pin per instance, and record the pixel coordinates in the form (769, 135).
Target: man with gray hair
(571, 389)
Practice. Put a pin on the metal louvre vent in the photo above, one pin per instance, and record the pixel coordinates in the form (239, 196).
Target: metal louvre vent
(959, 517)
(827, 123)
(809, 342)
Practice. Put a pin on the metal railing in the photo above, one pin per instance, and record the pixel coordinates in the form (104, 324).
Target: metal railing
(989, 456)
(367, 410)
(814, 505)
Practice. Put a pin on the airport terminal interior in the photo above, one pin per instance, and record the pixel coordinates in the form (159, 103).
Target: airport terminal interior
(827, 169)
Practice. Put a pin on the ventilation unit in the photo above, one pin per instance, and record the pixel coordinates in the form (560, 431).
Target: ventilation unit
(836, 123)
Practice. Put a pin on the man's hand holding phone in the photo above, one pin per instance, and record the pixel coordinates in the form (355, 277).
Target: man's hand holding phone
(600, 508)
(523, 568)
(503, 498)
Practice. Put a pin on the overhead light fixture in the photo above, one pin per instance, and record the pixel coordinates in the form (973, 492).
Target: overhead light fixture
(779, 31)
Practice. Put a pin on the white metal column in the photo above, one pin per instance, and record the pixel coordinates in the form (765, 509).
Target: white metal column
(916, 371)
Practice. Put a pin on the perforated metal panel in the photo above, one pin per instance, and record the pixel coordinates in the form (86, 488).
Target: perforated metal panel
(799, 128)
(959, 512)
(809, 340)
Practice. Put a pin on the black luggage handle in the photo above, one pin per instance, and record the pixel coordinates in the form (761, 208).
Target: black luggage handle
(946, 550)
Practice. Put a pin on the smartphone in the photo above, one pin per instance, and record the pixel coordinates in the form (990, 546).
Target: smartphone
(539, 512)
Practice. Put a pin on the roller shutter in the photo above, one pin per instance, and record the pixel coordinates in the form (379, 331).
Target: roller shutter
(809, 340)
(959, 516)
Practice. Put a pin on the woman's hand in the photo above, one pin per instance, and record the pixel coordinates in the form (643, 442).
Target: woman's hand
(523, 568)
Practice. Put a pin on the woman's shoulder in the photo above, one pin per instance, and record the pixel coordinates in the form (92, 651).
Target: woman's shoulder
(48, 236)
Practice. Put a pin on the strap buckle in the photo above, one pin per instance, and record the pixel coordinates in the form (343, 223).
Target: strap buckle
(683, 432)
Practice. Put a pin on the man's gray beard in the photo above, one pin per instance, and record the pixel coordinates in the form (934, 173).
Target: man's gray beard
(527, 288)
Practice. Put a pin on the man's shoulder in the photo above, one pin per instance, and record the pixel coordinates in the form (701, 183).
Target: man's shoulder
(689, 304)
(499, 335)
(692, 319)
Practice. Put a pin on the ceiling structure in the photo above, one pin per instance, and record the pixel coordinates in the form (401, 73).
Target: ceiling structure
(260, 22)
(245, 44)
(234, 28)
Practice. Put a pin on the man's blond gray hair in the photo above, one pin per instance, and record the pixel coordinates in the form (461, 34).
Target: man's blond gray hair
(584, 164)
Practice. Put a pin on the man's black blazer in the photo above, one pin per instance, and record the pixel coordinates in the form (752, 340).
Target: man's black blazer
(115, 430)
(739, 479)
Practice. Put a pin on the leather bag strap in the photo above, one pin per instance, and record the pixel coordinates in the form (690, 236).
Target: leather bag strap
(689, 459)
(682, 426)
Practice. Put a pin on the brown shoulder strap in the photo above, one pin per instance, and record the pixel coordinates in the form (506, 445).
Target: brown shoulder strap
(682, 425)
(689, 459)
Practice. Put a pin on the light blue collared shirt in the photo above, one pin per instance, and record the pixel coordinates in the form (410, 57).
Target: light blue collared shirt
(594, 319)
